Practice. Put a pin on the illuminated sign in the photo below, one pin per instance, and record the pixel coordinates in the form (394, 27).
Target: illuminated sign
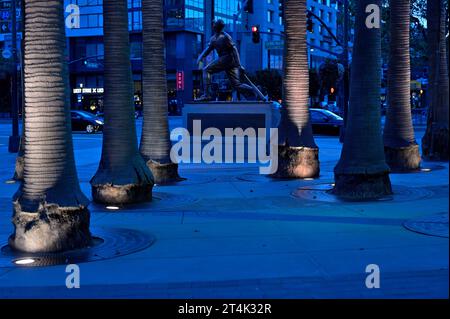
(180, 80)
(88, 90)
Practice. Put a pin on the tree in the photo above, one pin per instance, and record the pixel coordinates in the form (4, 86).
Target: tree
(50, 211)
(362, 172)
(122, 176)
(298, 154)
(155, 142)
(435, 140)
(270, 82)
(400, 147)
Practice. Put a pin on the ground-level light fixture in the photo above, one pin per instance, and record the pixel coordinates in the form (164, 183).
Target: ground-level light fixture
(426, 170)
(112, 207)
(10, 181)
(24, 261)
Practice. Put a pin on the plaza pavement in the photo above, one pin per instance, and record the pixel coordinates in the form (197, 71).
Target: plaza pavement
(229, 233)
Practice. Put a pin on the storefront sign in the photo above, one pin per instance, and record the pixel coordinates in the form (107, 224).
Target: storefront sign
(88, 91)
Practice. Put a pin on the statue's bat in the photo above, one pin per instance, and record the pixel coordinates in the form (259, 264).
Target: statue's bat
(261, 96)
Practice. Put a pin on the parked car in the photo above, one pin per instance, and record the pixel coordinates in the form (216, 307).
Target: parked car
(326, 122)
(85, 121)
(137, 114)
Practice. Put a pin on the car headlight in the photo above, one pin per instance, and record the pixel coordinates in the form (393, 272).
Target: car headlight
(99, 122)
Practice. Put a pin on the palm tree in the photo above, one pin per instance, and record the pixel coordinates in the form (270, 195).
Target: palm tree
(50, 211)
(122, 176)
(155, 141)
(400, 147)
(362, 172)
(435, 141)
(298, 154)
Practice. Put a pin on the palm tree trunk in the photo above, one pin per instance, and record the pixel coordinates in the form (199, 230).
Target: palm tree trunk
(400, 147)
(298, 153)
(435, 141)
(155, 142)
(122, 176)
(50, 211)
(362, 172)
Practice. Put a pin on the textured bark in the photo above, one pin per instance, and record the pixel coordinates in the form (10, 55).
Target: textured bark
(295, 128)
(297, 162)
(121, 167)
(435, 141)
(362, 171)
(155, 141)
(398, 129)
(50, 211)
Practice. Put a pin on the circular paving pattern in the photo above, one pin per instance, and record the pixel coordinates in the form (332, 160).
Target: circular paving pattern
(191, 179)
(258, 178)
(321, 193)
(108, 243)
(424, 168)
(160, 201)
(435, 225)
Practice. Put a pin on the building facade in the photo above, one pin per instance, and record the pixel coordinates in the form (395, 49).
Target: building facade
(188, 28)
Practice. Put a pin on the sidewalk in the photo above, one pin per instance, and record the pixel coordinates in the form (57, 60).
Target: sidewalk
(228, 232)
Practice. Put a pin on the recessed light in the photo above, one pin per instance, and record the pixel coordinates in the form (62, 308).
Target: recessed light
(308, 179)
(425, 169)
(10, 181)
(24, 261)
(113, 207)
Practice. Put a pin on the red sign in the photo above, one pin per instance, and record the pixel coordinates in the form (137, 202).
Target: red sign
(180, 80)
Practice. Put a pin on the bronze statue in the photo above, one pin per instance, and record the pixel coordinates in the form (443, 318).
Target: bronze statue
(228, 61)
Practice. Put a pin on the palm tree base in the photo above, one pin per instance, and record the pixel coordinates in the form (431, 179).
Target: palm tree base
(51, 229)
(121, 194)
(18, 172)
(403, 159)
(164, 173)
(297, 162)
(435, 143)
(362, 186)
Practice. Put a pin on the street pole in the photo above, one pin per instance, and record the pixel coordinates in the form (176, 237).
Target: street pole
(14, 139)
(345, 80)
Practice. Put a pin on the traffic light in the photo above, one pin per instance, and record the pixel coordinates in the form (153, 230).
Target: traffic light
(256, 36)
(309, 23)
(248, 6)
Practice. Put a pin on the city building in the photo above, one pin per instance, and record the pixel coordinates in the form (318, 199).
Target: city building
(320, 42)
(188, 28)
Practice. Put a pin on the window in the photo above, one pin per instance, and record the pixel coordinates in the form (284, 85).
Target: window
(270, 16)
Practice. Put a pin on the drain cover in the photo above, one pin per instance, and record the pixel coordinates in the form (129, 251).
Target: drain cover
(320, 192)
(435, 225)
(107, 244)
